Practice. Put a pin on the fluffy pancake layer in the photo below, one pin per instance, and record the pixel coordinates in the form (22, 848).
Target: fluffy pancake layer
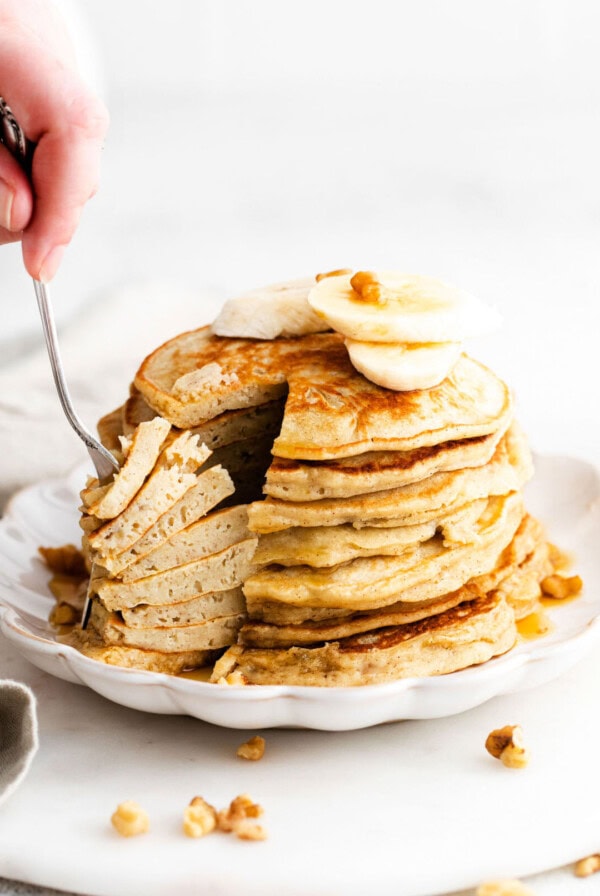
(331, 410)
(465, 635)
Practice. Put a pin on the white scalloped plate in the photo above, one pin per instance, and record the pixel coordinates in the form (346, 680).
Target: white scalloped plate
(565, 494)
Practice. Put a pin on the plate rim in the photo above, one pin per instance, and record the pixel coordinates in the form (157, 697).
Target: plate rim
(15, 629)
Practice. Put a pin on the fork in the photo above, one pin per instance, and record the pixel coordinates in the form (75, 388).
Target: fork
(13, 137)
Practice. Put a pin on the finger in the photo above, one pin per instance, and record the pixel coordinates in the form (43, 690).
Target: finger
(66, 168)
(6, 236)
(68, 123)
(16, 202)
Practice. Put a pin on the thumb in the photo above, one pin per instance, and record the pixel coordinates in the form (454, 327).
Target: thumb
(16, 200)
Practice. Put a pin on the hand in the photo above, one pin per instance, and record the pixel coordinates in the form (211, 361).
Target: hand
(56, 110)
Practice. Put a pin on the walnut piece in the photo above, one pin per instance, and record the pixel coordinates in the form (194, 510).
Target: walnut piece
(248, 830)
(337, 273)
(130, 819)
(63, 614)
(506, 744)
(226, 664)
(235, 819)
(235, 677)
(253, 749)
(199, 818)
(560, 587)
(66, 559)
(368, 288)
(587, 866)
(509, 887)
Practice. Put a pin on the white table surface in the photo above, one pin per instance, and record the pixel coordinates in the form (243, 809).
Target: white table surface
(398, 807)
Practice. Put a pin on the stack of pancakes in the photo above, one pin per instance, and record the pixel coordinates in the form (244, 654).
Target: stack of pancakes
(389, 538)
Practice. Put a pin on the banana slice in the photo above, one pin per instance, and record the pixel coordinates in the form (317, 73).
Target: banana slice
(403, 367)
(392, 307)
(278, 310)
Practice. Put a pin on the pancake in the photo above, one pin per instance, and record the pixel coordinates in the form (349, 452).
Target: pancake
(207, 535)
(171, 478)
(246, 462)
(331, 410)
(216, 572)
(293, 480)
(322, 546)
(254, 453)
(423, 572)
(529, 535)
(206, 491)
(521, 568)
(468, 634)
(187, 612)
(110, 427)
(522, 588)
(508, 470)
(243, 424)
(217, 432)
(209, 635)
(135, 411)
(263, 634)
(90, 644)
(140, 458)
(523, 556)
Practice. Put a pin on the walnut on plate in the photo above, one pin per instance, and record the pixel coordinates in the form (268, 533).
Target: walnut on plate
(560, 587)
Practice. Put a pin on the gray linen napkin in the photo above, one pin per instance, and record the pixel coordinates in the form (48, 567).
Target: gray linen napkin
(18, 734)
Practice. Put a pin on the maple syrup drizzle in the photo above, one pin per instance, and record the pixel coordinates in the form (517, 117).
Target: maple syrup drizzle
(202, 674)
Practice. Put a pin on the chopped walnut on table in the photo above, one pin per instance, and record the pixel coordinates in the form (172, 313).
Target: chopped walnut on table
(507, 887)
(199, 818)
(506, 744)
(129, 819)
(561, 587)
(586, 867)
(253, 749)
(237, 819)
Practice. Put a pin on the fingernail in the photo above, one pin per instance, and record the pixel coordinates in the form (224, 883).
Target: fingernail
(7, 198)
(51, 263)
